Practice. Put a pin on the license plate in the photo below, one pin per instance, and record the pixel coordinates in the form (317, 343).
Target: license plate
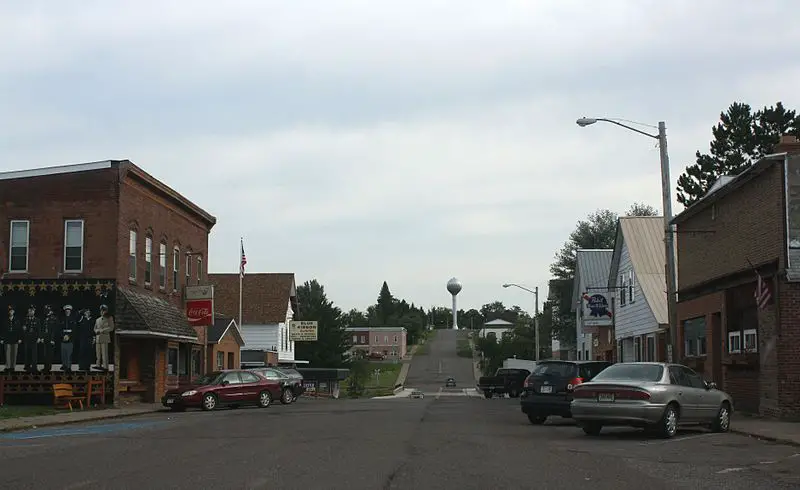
(169, 401)
(605, 397)
(546, 389)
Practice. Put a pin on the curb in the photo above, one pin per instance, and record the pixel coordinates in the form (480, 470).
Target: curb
(779, 440)
(33, 425)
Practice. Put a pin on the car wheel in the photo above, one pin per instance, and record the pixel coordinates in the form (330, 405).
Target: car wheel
(286, 396)
(264, 399)
(537, 419)
(723, 421)
(668, 426)
(592, 428)
(294, 398)
(487, 394)
(513, 394)
(209, 402)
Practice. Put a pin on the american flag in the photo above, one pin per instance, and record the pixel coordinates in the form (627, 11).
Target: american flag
(243, 261)
(762, 293)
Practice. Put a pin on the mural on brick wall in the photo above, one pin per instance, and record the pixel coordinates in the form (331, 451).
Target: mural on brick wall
(62, 324)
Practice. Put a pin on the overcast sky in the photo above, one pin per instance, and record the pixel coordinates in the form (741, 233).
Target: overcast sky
(407, 141)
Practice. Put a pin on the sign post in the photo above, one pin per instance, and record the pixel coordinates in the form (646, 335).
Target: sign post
(303, 331)
(200, 313)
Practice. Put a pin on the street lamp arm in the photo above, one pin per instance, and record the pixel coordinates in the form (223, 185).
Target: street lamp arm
(518, 286)
(654, 136)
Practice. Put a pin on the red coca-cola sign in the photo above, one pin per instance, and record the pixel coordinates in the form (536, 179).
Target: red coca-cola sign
(200, 312)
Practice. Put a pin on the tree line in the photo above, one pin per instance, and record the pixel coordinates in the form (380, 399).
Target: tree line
(740, 138)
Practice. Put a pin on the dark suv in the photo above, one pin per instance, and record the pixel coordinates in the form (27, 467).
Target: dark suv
(291, 388)
(548, 389)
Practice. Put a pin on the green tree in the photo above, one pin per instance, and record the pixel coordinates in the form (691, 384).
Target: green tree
(740, 138)
(642, 209)
(354, 318)
(333, 342)
(385, 306)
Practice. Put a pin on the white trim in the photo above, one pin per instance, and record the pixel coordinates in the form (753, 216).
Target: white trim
(83, 241)
(631, 287)
(148, 268)
(27, 244)
(148, 333)
(133, 234)
(176, 265)
(655, 347)
(749, 331)
(61, 169)
(731, 336)
(188, 267)
(199, 269)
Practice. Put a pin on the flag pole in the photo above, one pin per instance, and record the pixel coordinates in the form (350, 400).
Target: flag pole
(241, 277)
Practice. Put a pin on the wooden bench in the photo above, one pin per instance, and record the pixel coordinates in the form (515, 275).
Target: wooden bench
(63, 394)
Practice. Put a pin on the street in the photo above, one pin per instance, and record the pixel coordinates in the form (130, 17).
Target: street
(445, 442)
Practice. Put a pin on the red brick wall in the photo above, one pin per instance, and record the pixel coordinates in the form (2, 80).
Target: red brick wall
(748, 225)
(788, 353)
(704, 306)
(50, 199)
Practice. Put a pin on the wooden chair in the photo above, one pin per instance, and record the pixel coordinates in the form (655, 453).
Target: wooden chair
(62, 393)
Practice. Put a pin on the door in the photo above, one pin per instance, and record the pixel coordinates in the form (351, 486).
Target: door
(706, 400)
(716, 349)
(231, 390)
(250, 386)
(686, 396)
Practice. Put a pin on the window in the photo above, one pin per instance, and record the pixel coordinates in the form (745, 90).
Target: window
(220, 361)
(172, 361)
(677, 376)
(694, 379)
(650, 350)
(637, 348)
(734, 342)
(148, 260)
(188, 267)
(183, 360)
(395, 339)
(199, 269)
(385, 339)
(376, 339)
(176, 263)
(73, 245)
(750, 340)
(132, 255)
(162, 265)
(230, 361)
(195, 362)
(363, 339)
(232, 378)
(631, 287)
(355, 339)
(20, 238)
(623, 292)
(248, 377)
(694, 337)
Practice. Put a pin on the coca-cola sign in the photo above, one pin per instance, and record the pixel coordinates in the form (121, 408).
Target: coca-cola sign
(200, 312)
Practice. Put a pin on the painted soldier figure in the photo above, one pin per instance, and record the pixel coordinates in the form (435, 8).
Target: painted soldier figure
(85, 335)
(31, 328)
(10, 338)
(103, 327)
(69, 327)
(47, 337)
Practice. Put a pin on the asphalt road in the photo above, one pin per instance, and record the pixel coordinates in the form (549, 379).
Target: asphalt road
(428, 372)
(450, 442)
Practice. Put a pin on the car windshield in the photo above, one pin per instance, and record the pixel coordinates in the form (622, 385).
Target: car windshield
(634, 372)
(209, 379)
(559, 369)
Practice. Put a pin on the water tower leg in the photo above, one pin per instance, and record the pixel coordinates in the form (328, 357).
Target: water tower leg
(455, 314)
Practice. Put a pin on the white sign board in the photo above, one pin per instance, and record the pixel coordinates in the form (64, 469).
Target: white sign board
(305, 331)
(199, 292)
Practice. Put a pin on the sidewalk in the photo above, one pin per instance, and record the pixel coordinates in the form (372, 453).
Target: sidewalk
(67, 417)
(767, 429)
(401, 377)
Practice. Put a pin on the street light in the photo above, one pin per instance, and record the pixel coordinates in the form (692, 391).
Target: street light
(534, 292)
(669, 235)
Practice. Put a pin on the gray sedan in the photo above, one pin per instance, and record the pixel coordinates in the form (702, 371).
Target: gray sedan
(650, 395)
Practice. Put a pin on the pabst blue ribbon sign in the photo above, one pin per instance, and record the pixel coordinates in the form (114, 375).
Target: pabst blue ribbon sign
(597, 309)
(200, 305)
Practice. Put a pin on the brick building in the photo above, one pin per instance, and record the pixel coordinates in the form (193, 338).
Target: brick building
(386, 341)
(739, 230)
(225, 343)
(109, 233)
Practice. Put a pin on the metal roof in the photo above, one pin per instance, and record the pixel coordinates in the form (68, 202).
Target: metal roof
(591, 271)
(644, 236)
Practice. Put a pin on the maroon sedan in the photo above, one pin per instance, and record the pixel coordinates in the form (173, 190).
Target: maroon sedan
(224, 388)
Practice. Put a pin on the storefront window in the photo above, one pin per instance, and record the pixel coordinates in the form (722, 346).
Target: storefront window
(172, 361)
(195, 362)
(183, 360)
(694, 337)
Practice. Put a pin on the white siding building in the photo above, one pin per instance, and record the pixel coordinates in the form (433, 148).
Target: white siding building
(638, 272)
(498, 327)
(592, 303)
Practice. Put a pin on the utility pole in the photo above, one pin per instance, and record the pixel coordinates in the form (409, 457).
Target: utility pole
(536, 322)
(669, 244)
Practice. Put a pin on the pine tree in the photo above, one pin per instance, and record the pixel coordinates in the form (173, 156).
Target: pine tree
(741, 138)
(385, 307)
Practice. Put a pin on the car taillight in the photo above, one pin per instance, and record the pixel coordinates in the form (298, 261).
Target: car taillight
(632, 395)
(527, 383)
(584, 394)
(573, 383)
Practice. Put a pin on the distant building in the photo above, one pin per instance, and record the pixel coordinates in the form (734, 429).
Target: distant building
(225, 344)
(593, 305)
(498, 327)
(386, 341)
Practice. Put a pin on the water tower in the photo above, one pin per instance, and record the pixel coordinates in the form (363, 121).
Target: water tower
(454, 287)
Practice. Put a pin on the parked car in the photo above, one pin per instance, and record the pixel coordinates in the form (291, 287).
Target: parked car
(505, 380)
(450, 383)
(298, 388)
(548, 390)
(655, 396)
(291, 388)
(223, 388)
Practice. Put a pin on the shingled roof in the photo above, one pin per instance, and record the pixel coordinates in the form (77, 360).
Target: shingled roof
(221, 326)
(142, 312)
(265, 296)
